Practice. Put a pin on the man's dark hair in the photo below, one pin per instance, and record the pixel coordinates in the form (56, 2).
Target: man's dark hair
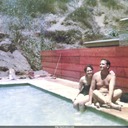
(89, 65)
(107, 62)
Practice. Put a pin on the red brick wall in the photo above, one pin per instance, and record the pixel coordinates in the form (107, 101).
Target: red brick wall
(73, 61)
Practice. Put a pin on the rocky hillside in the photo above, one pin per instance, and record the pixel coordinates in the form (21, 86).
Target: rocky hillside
(27, 27)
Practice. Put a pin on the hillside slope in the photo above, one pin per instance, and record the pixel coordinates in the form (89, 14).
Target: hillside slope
(38, 25)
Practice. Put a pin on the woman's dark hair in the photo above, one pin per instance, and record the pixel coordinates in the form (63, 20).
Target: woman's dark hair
(89, 65)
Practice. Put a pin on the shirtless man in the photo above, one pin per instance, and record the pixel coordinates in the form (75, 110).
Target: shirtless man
(102, 87)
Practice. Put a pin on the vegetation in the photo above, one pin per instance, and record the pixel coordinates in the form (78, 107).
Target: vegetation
(91, 2)
(68, 37)
(81, 15)
(31, 7)
(21, 15)
(111, 4)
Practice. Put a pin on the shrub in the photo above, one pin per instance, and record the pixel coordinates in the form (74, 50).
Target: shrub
(112, 4)
(31, 7)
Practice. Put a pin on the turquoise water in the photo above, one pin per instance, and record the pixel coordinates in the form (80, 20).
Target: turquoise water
(27, 105)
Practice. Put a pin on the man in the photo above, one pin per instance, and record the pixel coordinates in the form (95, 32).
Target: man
(102, 87)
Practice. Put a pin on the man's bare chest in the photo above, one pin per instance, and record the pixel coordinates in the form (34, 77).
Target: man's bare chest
(102, 82)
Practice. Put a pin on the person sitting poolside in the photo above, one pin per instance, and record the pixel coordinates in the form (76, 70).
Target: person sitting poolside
(84, 85)
(102, 89)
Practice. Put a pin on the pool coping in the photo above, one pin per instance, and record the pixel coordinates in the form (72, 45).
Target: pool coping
(67, 89)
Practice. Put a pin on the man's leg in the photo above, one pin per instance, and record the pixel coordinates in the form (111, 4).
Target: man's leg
(99, 97)
(115, 106)
(102, 99)
(117, 94)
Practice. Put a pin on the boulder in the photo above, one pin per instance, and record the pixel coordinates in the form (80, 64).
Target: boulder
(13, 60)
(6, 45)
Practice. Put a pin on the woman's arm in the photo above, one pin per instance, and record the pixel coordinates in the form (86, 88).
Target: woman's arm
(81, 83)
(92, 87)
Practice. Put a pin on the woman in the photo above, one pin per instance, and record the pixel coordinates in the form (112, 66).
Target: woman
(84, 85)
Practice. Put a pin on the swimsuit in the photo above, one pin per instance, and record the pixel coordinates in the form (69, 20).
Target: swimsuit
(85, 90)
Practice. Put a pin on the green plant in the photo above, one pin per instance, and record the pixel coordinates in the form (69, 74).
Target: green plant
(32, 50)
(81, 15)
(68, 37)
(91, 2)
(105, 20)
(111, 4)
(31, 7)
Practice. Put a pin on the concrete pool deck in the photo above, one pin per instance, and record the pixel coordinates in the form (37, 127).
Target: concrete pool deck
(65, 88)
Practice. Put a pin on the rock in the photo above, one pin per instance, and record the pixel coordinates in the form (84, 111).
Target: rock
(3, 74)
(5, 45)
(40, 72)
(2, 35)
(13, 60)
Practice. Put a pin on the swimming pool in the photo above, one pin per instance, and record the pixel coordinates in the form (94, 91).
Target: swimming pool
(28, 105)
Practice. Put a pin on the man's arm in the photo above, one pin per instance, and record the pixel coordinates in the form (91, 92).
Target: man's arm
(111, 87)
(112, 72)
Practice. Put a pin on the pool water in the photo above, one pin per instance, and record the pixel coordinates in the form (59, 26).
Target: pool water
(27, 105)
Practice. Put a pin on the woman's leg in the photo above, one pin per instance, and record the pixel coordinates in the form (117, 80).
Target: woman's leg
(80, 101)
